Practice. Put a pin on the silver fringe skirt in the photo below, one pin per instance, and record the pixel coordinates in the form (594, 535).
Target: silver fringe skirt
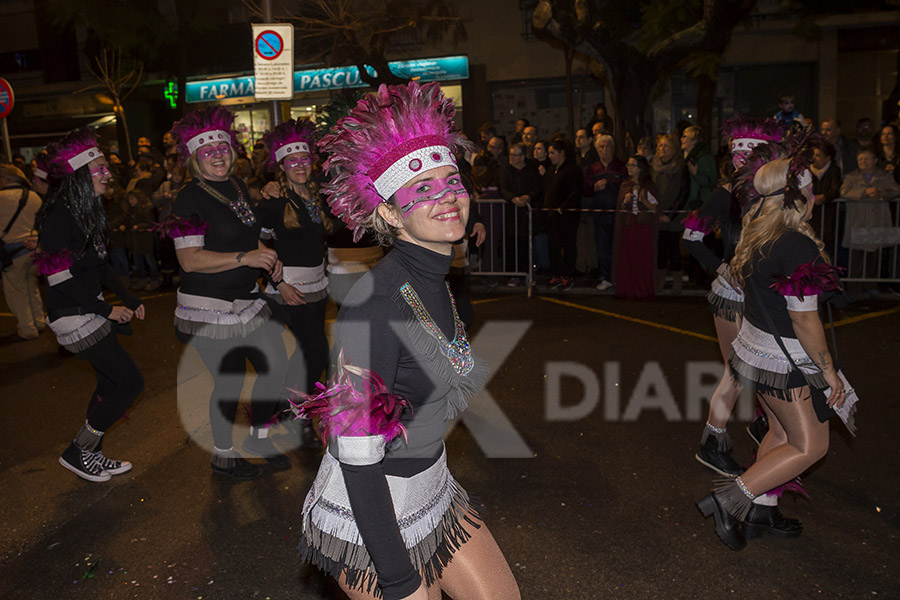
(430, 507)
(724, 300)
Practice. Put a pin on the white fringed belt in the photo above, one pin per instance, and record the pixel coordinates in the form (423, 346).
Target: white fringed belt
(76, 333)
(724, 300)
(219, 319)
(309, 281)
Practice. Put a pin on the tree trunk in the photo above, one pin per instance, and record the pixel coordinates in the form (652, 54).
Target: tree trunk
(570, 101)
(633, 89)
(706, 97)
(122, 132)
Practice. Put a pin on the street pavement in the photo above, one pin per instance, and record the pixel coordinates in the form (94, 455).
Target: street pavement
(604, 397)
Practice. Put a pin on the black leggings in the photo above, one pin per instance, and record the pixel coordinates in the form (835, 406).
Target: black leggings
(226, 361)
(118, 382)
(307, 323)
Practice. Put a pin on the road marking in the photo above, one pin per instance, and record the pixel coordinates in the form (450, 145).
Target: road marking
(866, 317)
(606, 313)
(486, 300)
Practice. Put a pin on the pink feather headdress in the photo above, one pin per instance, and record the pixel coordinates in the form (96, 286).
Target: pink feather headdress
(796, 146)
(745, 133)
(72, 152)
(386, 140)
(201, 127)
(345, 409)
(289, 138)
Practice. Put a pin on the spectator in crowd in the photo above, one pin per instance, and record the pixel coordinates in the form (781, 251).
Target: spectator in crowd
(41, 182)
(146, 149)
(542, 156)
(138, 223)
(169, 148)
(529, 139)
(843, 155)
(19, 163)
(485, 133)
(486, 168)
(701, 166)
(116, 207)
(865, 133)
(164, 203)
(516, 137)
(584, 148)
(601, 116)
(602, 179)
(635, 248)
(18, 207)
(142, 180)
(520, 185)
(260, 175)
(645, 148)
(673, 183)
(562, 191)
(826, 188)
(867, 190)
(120, 171)
(886, 150)
(788, 114)
(597, 129)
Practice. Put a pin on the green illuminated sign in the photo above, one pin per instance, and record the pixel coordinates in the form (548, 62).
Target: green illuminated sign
(171, 93)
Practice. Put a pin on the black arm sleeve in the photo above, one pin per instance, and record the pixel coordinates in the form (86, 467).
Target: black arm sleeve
(358, 331)
(716, 207)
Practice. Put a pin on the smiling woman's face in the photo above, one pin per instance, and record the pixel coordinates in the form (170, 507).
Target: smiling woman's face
(214, 161)
(431, 210)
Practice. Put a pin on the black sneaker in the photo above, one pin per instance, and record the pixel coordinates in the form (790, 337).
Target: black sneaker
(719, 461)
(113, 467)
(265, 448)
(239, 469)
(83, 463)
(758, 429)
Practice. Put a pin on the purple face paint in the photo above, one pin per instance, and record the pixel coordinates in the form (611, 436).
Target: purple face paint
(428, 193)
(297, 161)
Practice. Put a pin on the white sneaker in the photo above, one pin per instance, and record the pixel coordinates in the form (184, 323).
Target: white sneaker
(604, 285)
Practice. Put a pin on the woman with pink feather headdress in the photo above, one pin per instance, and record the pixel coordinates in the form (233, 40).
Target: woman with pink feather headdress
(220, 309)
(295, 222)
(721, 211)
(384, 516)
(73, 240)
(780, 349)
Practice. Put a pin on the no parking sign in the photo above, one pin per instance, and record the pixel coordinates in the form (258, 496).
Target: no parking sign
(7, 98)
(273, 61)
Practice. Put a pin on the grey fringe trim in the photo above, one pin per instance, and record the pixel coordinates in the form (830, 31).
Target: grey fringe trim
(335, 556)
(723, 440)
(724, 308)
(732, 497)
(90, 339)
(224, 332)
(429, 349)
(776, 384)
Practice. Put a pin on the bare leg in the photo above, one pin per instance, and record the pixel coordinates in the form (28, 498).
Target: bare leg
(776, 435)
(728, 390)
(807, 443)
(432, 593)
(479, 571)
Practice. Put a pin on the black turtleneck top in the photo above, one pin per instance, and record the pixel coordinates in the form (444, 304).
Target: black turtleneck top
(227, 233)
(371, 331)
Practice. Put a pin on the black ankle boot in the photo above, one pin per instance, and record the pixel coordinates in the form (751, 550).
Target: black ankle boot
(728, 529)
(769, 519)
(719, 461)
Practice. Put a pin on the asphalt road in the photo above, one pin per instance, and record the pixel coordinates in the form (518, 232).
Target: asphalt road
(604, 398)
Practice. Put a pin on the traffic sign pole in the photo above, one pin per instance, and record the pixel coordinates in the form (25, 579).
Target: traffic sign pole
(274, 105)
(6, 146)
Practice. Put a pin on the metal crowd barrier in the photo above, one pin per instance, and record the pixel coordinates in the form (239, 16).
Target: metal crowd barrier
(863, 237)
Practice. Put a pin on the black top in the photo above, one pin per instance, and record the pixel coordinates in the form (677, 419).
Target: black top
(718, 208)
(58, 233)
(299, 247)
(520, 182)
(372, 332)
(562, 186)
(777, 259)
(226, 234)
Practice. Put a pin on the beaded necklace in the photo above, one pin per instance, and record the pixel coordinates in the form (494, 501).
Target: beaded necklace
(312, 207)
(458, 352)
(239, 207)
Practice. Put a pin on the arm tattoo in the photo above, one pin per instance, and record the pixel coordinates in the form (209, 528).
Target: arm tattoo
(824, 361)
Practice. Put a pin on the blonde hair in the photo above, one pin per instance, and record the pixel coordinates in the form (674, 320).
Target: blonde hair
(383, 232)
(290, 217)
(772, 222)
